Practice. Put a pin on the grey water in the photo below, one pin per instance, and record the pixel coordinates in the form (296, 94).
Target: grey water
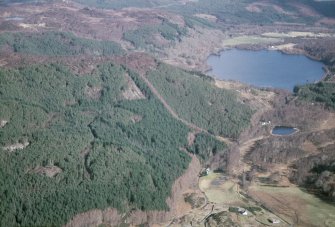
(15, 18)
(265, 68)
(283, 130)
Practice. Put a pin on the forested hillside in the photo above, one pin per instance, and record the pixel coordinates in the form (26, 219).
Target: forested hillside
(196, 99)
(57, 44)
(107, 115)
(321, 92)
(71, 144)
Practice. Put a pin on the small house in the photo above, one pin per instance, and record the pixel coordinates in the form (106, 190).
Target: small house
(274, 221)
(242, 211)
(264, 123)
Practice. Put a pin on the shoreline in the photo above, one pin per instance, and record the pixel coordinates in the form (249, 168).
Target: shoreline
(298, 52)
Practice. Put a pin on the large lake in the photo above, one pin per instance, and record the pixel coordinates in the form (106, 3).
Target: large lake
(265, 68)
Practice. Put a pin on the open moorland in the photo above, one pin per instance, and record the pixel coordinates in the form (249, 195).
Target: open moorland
(107, 115)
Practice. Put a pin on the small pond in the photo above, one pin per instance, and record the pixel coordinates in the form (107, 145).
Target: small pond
(283, 130)
(265, 68)
(14, 18)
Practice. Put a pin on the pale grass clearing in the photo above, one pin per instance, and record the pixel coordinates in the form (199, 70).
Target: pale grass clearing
(206, 17)
(219, 190)
(287, 47)
(224, 139)
(259, 100)
(204, 182)
(240, 40)
(16, 146)
(328, 123)
(32, 26)
(309, 147)
(132, 92)
(3, 123)
(295, 205)
(296, 34)
(49, 171)
(93, 92)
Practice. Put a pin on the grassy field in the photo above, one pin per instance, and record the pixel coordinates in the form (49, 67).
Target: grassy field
(241, 40)
(295, 205)
(295, 34)
(219, 190)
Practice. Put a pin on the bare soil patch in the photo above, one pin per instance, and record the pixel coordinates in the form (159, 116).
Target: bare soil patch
(289, 47)
(93, 92)
(49, 171)
(16, 146)
(190, 138)
(70, 102)
(206, 17)
(309, 147)
(257, 7)
(132, 92)
(138, 61)
(136, 118)
(3, 123)
(257, 99)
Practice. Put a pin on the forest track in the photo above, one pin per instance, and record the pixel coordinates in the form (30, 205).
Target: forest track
(169, 108)
(192, 126)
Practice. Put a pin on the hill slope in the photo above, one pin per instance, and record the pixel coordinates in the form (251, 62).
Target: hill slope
(73, 143)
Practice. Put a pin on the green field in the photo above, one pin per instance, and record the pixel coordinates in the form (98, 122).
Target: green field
(242, 40)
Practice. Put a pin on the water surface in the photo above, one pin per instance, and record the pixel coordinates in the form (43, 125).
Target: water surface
(265, 68)
(283, 130)
(14, 18)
